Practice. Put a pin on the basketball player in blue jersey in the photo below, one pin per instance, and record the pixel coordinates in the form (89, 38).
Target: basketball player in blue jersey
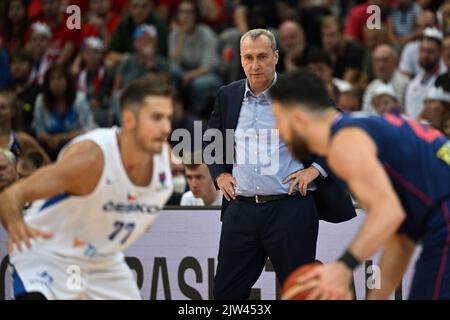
(398, 169)
(97, 199)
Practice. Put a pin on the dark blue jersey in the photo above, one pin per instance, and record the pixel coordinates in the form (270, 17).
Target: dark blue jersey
(416, 158)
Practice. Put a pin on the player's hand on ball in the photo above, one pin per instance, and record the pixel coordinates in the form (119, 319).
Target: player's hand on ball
(333, 282)
(227, 183)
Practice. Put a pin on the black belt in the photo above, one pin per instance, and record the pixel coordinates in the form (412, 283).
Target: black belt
(266, 198)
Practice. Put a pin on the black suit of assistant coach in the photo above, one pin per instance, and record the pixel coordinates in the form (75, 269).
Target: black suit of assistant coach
(279, 222)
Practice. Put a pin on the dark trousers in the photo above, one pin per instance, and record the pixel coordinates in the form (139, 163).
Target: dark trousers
(284, 231)
(432, 273)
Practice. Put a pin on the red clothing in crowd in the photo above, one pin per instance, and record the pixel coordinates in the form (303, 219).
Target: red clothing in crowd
(356, 21)
(92, 30)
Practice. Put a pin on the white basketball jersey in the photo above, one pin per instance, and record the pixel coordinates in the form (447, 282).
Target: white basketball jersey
(107, 221)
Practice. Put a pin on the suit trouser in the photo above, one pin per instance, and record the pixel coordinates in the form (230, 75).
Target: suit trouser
(284, 231)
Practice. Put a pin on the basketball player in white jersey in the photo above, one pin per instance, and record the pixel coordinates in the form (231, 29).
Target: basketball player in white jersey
(96, 200)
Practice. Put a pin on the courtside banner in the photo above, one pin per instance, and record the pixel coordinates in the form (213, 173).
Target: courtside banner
(177, 258)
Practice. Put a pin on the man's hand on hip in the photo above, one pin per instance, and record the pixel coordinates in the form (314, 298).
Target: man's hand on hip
(226, 183)
(302, 178)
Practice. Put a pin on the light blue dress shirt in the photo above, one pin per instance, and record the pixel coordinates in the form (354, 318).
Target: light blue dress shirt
(262, 160)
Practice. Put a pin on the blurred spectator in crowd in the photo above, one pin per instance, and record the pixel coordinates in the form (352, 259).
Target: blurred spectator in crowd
(166, 9)
(140, 12)
(230, 63)
(42, 53)
(358, 16)
(28, 163)
(253, 14)
(432, 5)
(100, 20)
(13, 24)
(5, 79)
(25, 89)
(319, 61)
(94, 79)
(182, 119)
(444, 79)
(384, 99)
(372, 39)
(65, 40)
(119, 6)
(17, 142)
(429, 59)
(346, 55)
(311, 13)
(178, 180)
(145, 61)
(385, 62)
(401, 21)
(444, 15)
(193, 48)
(436, 105)
(35, 7)
(202, 191)
(61, 113)
(212, 12)
(293, 47)
(349, 100)
(8, 174)
(409, 60)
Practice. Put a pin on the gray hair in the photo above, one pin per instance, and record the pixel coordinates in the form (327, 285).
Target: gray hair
(8, 156)
(256, 33)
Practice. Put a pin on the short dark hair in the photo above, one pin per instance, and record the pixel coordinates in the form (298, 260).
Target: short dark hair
(71, 90)
(332, 20)
(197, 12)
(21, 55)
(318, 55)
(10, 95)
(134, 94)
(302, 86)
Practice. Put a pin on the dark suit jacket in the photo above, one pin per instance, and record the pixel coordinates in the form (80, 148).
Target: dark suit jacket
(332, 199)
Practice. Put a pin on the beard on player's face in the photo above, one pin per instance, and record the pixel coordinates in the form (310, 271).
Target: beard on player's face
(144, 143)
(299, 148)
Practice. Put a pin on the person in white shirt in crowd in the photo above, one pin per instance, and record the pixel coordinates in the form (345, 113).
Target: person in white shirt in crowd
(385, 62)
(409, 60)
(436, 105)
(39, 47)
(202, 190)
(385, 99)
(429, 58)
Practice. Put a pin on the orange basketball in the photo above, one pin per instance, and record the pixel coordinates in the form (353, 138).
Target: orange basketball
(292, 290)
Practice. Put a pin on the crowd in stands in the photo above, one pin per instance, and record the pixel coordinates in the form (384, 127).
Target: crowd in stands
(57, 83)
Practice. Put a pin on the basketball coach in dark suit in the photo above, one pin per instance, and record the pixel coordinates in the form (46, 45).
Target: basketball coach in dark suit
(269, 210)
